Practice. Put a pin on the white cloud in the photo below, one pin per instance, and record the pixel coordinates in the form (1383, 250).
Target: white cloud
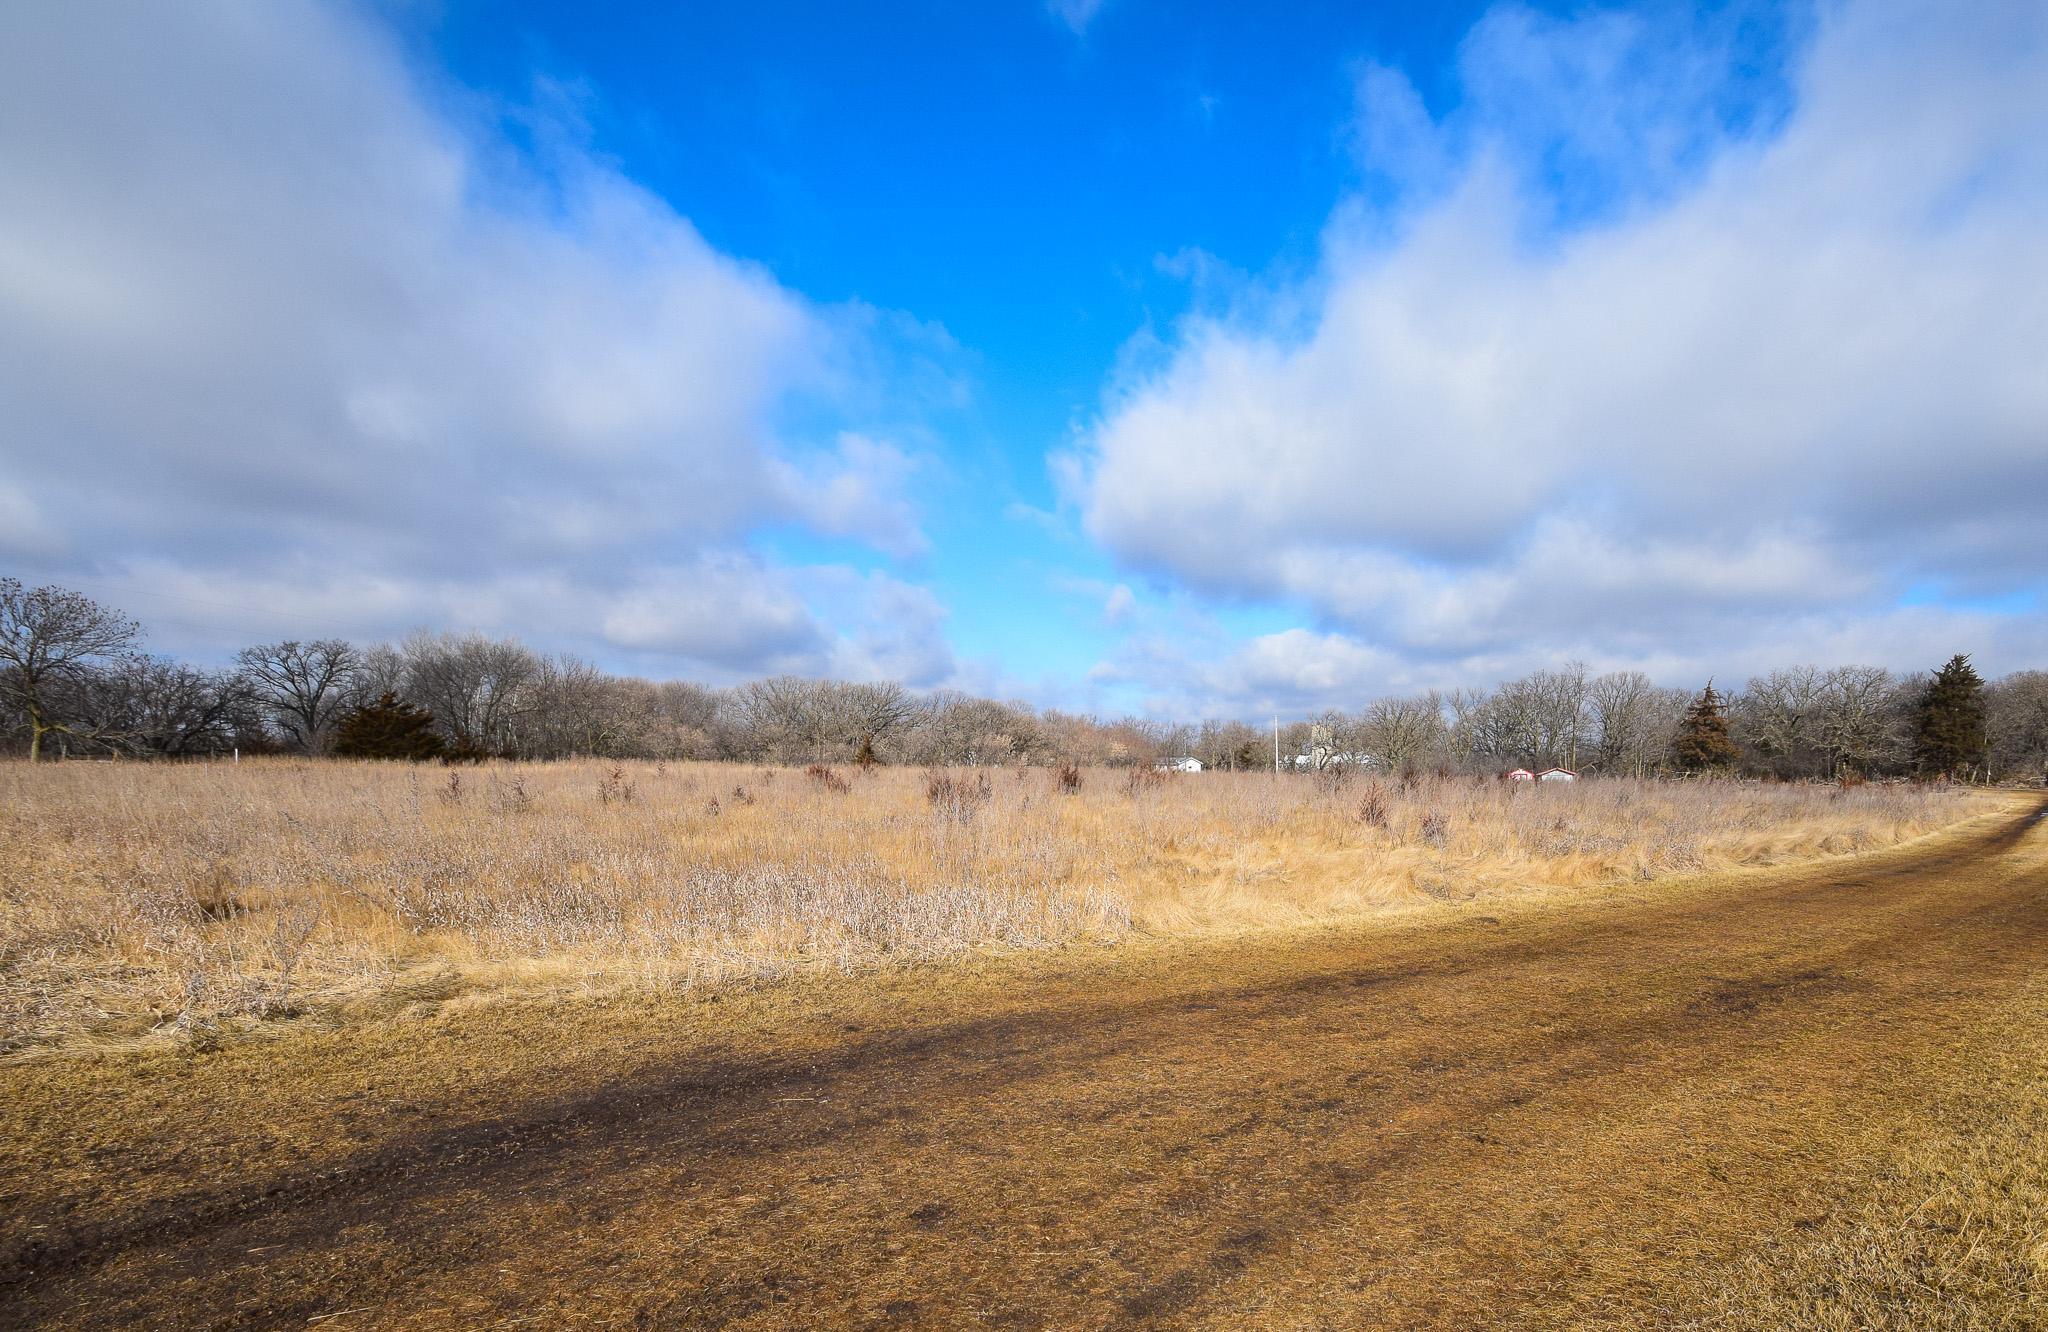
(728, 613)
(1076, 14)
(894, 630)
(1617, 385)
(23, 532)
(857, 492)
(739, 618)
(270, 302)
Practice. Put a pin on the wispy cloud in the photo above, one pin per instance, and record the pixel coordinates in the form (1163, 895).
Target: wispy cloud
(1076, 14)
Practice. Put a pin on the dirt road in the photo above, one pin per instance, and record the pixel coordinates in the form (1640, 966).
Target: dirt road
(1584, 1115)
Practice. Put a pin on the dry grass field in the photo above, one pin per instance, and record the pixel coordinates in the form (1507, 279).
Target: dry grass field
(1808, 1096)
(197, 903)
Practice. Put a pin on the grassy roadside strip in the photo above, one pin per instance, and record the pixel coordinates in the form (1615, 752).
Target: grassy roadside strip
(1943, 1228)
(1947, 1228)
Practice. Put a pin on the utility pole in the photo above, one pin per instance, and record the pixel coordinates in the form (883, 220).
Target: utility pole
(1276, 746)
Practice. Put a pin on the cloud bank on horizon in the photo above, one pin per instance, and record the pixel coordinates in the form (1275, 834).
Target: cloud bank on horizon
(1608, 351)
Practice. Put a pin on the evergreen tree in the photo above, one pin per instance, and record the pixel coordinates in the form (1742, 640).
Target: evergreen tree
(1948, 723)
(388, 729)
(1703, 743)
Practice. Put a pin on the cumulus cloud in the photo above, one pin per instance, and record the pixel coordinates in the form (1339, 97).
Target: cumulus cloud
(1632, 360)
(857, 491)
(742, 618)
(269, 300)
(893, 630)
(729, 612)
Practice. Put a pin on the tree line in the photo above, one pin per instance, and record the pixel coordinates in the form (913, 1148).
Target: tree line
(1802, 722)
(74, 681)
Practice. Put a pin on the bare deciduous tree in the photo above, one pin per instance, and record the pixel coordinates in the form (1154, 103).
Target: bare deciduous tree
(50, 642)
(156, 706)
(1536, 721)
(572, 707)
(1561, 713)
(869, 716)
(1860, 720)
(1402, 732)
(476, 687)
(1777, 719)
(304, 687)
(2016, 716)
(958, 728)
(781, 718)
(1632, 719)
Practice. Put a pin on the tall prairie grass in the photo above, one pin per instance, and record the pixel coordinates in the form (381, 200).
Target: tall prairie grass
(190, 898)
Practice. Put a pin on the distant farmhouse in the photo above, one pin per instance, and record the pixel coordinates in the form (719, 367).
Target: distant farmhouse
(1186, 763)
(1557, 775)
(1518, 775)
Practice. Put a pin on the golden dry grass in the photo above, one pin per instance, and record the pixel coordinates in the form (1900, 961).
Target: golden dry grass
(1783, 1098)
(198, 900)
(1944, 1225)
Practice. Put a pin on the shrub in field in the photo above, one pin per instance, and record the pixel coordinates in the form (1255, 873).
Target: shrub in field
(958, 797)
(616, 788)
(1334, 778)
(1068, 779)
(511, 797)
(1140, 779)
(1372, 805)
(825, 779)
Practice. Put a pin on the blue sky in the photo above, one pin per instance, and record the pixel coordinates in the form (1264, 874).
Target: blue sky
(1025, 185)
(1189, 359)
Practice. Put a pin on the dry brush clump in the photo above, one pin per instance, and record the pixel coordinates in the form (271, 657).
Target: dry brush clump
(192, 898)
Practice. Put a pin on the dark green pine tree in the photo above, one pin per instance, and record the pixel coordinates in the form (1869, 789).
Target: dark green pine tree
(1948, 724)
(388, 729)
(1703, 743)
